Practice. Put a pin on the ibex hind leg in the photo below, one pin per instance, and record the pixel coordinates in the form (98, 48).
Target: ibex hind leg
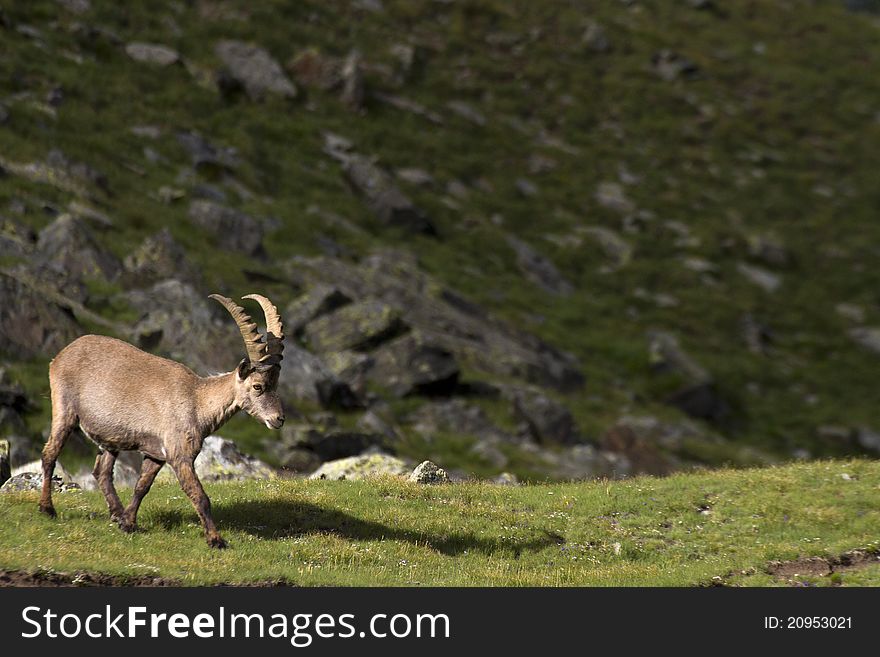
(149, 469)
(62, 424)
(103, 473)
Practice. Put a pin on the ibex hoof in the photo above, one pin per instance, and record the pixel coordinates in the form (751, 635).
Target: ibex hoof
(217, 542)
(48, 509)
(127, 527)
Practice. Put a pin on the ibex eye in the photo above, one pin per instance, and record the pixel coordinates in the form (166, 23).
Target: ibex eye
(258, 387)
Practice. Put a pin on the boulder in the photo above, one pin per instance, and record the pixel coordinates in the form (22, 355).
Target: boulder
(453, 416)
(255, 69)
(444, 317)
(319, 300)
(181, 323)
(305, 376)
(152, 53)
(68, 249)
(234, 230)
(412, 364)
(360, 326)
(32, 481)
(329, 444)
(699, 396)
(390, 205)
(427, 472)
(546, 420)
(36, 467)
(31, 325)
(362, 467)
(124, 476)
(16, 239)
(221, 460)
(160, 257)
(538, 269)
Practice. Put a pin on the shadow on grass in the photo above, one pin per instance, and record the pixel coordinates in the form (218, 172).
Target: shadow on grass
(278, 519)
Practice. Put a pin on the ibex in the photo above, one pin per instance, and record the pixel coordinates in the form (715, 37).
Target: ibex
(126, 399)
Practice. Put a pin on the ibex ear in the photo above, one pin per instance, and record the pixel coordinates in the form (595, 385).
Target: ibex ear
(244, 369)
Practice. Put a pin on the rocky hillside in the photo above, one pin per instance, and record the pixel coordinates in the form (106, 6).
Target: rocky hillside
(560, 239)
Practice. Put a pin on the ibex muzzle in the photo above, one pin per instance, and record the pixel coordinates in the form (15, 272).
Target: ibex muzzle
(126, 399)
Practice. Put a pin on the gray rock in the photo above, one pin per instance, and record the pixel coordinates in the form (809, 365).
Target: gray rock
(30, 325)
(390, 205)
(453, 416)
(124, 476)
(152, 53)
(255, 69)
(16, 239)
(181, 323)
(427, 472)
(595, 38)
(305, 376)
(319, 300)
(68, 247)
(36, 467)
(526, 187)
(538, 269)
(329, 444)
(361, 326)
(352, 93)
(32, 481)
(671, 66)
(867, 337)
(467, 112)
(160, 257)
(362, 467)
(221, 460)
(868, 439)
(444, 317)
(207, 157)
(233, 230)
(699, 396)
(614, 246)
(666, 354)
(75, 6)
(611, 195)
(413, 364)
(547, 421)
(505, 479)
(766, 280)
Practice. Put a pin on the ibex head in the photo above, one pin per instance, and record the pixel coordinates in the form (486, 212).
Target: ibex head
(256, 377)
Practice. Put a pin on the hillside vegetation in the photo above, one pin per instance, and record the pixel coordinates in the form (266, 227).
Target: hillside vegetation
(727, 527)
(561, 239)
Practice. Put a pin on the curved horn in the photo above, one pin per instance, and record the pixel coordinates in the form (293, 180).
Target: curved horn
(274, 328)
(252, 341)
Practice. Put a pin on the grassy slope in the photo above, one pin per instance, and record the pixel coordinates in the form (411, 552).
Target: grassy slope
(644, 531)
(785, 106)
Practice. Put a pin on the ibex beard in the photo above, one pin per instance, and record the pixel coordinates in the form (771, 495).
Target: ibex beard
(126, 399)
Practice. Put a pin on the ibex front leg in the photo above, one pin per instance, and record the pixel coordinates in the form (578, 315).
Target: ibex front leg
(186, 475)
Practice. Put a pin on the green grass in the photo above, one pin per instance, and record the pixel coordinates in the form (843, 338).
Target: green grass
(682, 530)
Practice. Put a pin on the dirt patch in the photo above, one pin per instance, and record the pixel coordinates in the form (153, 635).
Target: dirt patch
(38, 578)
(24, 578)
(822, 566)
